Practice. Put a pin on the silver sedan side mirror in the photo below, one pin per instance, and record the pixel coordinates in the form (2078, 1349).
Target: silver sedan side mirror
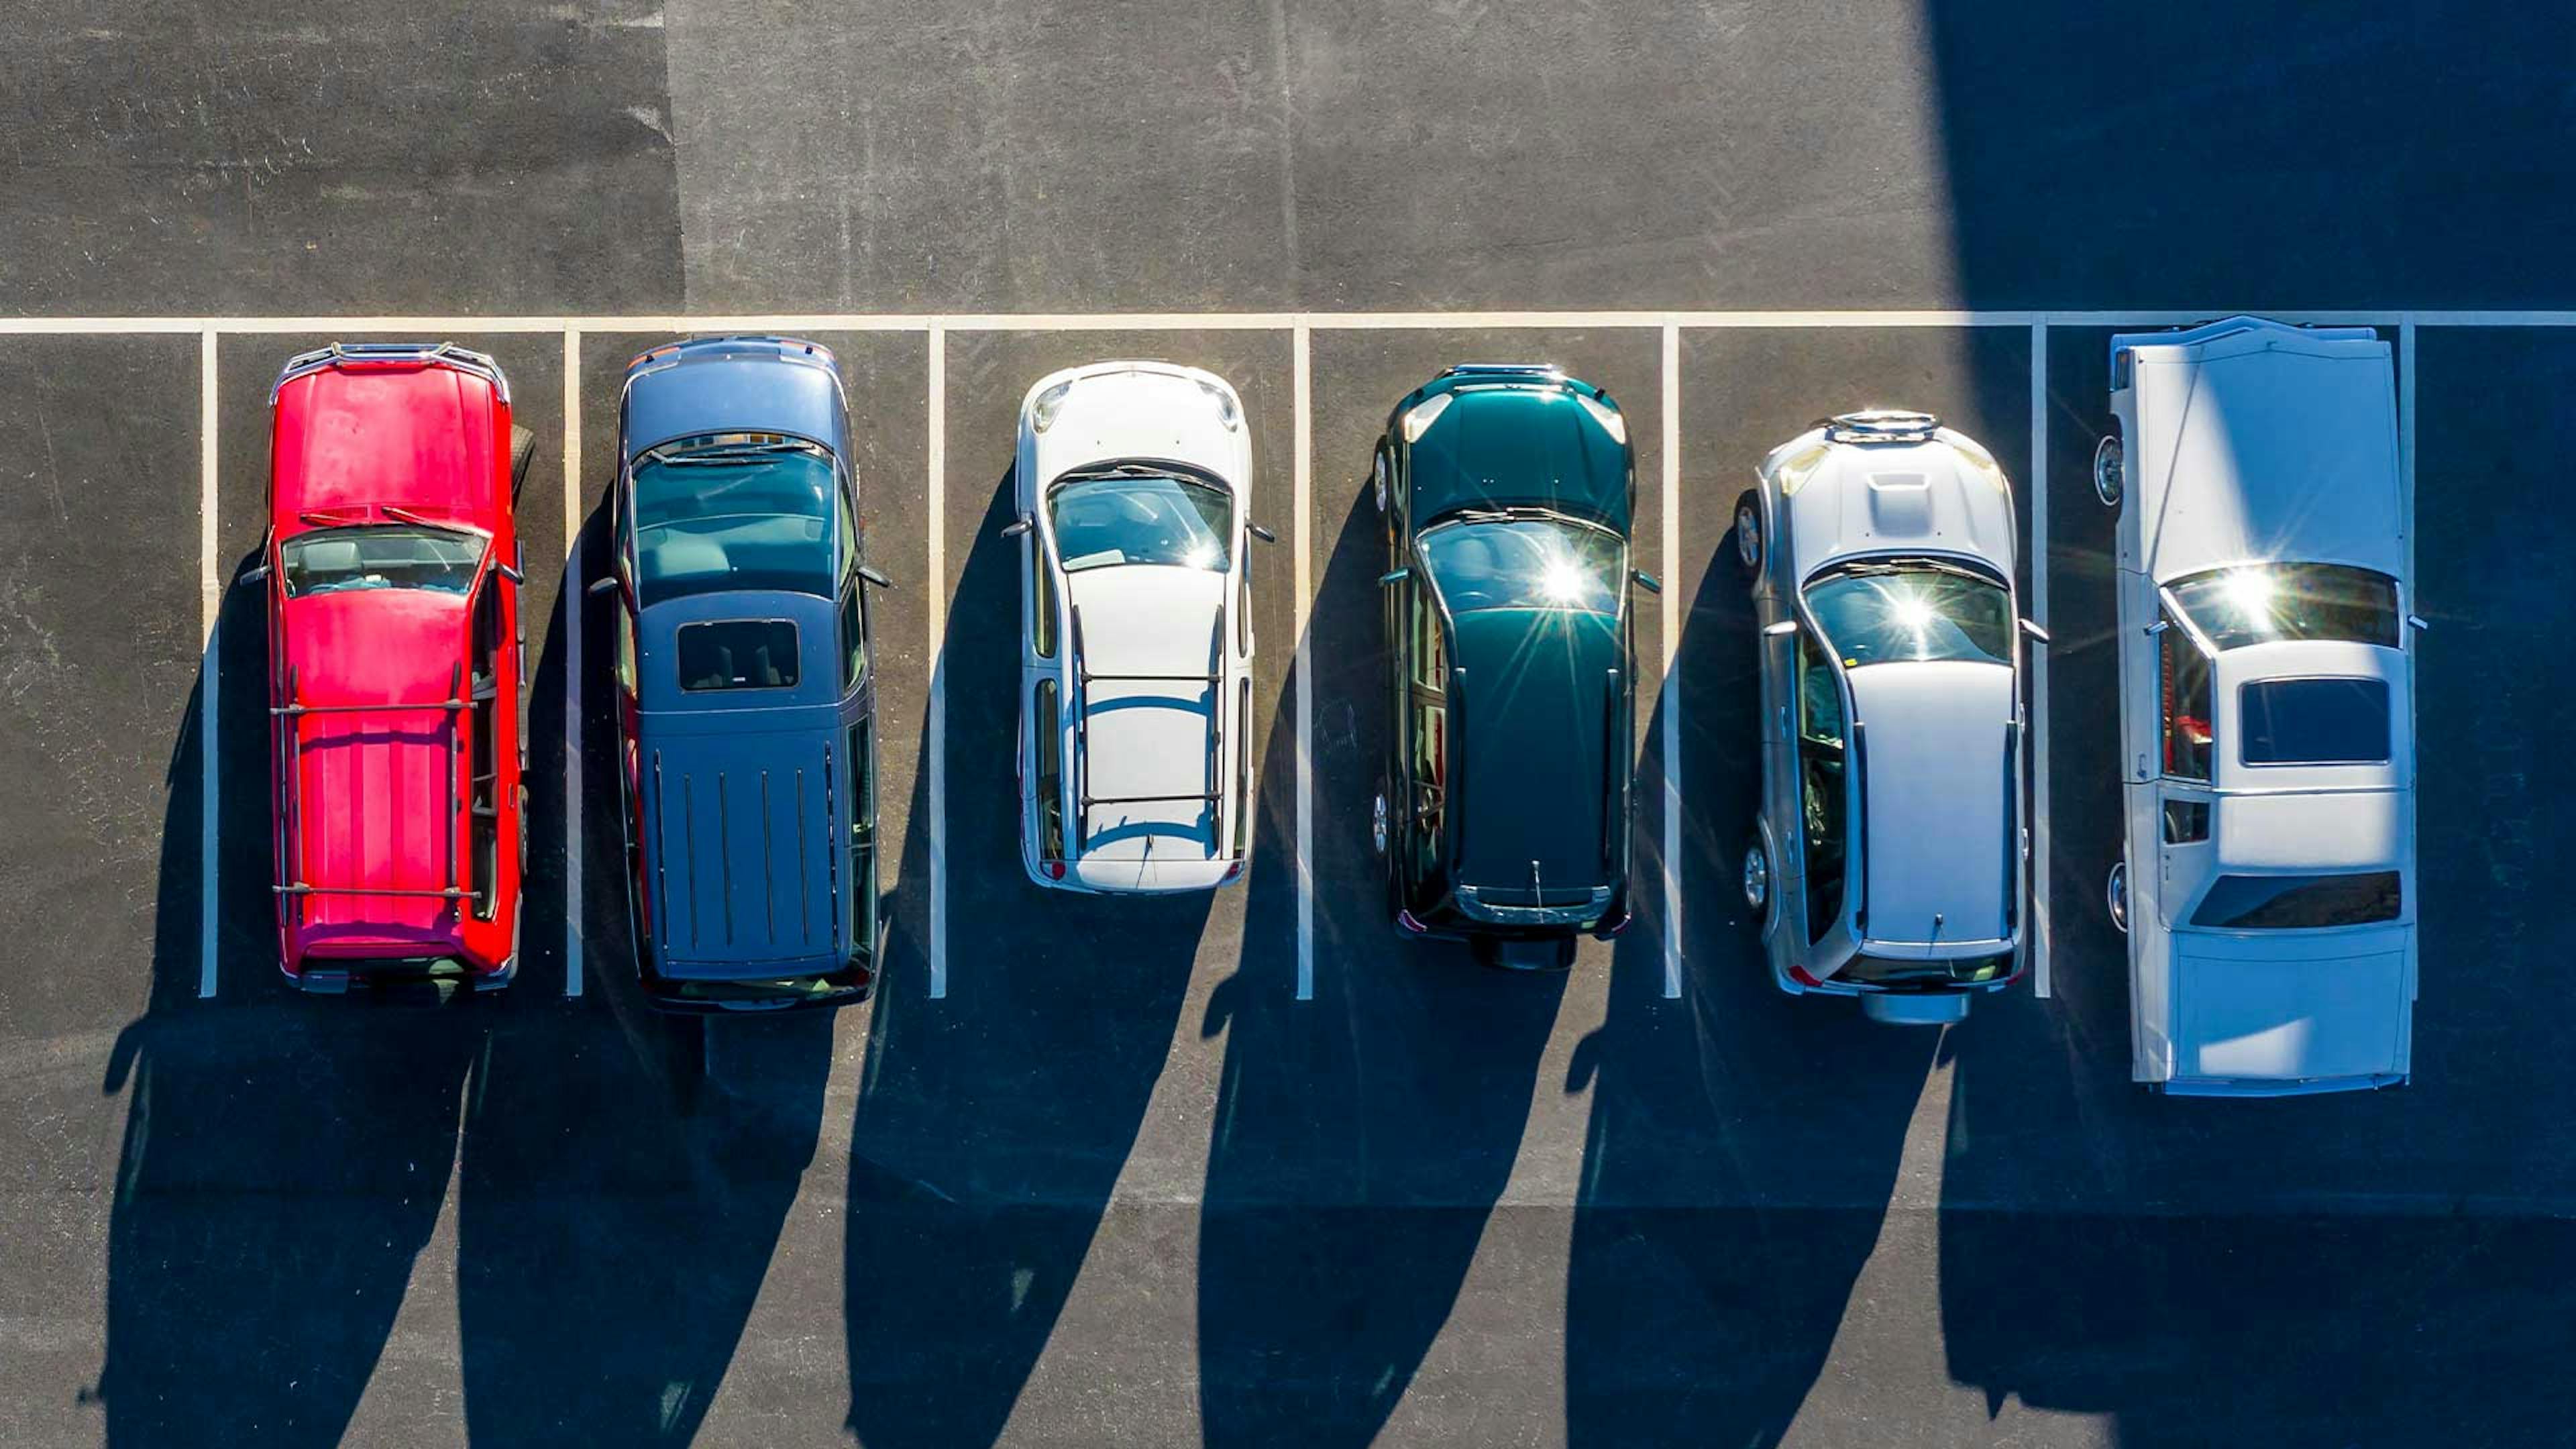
(1259, 532)
(2417, 622)
(2031, 627)
(1017, 526)
(606, 585)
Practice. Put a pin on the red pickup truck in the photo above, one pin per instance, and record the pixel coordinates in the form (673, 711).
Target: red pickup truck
(396, 664)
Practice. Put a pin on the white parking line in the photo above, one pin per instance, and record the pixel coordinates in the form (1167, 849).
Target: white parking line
(574, 595)
(210, 600)
(1670, 602)
(1301, 352)
(935, 587)
(2039, 496)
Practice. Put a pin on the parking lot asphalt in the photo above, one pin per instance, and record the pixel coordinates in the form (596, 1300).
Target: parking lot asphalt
(1092, 1172)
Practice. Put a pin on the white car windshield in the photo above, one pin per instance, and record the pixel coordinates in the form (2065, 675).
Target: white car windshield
(1912, 610)
(332, 560)
(1493, 562)
(2264, 603)
(1131, 515)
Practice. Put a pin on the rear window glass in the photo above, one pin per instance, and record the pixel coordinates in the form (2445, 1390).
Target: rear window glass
(2314, 721)
(338, 560)
(738, 654)
(2299, 902)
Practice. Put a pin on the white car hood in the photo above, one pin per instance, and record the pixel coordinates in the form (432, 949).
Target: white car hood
(1148, 736)
(1108, 416)
(2301, 1007)
(2278, 449)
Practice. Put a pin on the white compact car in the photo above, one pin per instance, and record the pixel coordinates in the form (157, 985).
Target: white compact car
(1135, 738)
(1888, 858)
(2267, 879)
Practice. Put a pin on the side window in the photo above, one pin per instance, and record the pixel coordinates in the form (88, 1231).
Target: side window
(2184, 684)
(854, 637)
(1821, 784)
(1041, 596)
(625, 647)
(1430, 780)
(846, 530)
(1243, 767)
(617, 539)
(483, 750)
(863, 836)
(2186, 822)
(1048, 748)
(1430, 656)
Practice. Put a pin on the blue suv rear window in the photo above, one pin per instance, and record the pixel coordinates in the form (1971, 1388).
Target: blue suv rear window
(2314, 721)
(738, 654)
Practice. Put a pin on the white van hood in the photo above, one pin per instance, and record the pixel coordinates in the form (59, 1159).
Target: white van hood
(2266, 447)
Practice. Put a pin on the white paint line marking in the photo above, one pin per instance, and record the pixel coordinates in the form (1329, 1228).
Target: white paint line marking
(936, 590)
(1670, 604)
(1249, 321)
(1301, 344)
(210, 601)
(2039, 915)
(574, 594)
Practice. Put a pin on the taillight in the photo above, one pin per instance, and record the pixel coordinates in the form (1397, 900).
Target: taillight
(1234, 870)
(1799, 975)
(1055, 870)
(1620, 925)
(1406, 920)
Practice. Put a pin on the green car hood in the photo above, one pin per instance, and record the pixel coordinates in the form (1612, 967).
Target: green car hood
(1495, 447)
(1536, 712)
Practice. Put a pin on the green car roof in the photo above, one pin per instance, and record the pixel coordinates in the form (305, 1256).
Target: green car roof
(1523, 439)
(1536, 707)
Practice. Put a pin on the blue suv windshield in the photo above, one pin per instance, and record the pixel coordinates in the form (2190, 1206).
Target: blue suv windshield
(744, 511)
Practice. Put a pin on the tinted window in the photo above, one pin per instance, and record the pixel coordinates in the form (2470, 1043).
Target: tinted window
(739, 512)
(738, 654)
(1526, 563)
(854, 637)
(1921, 975)
(1048, 746)
(1882, 613)
(2299, 902)
(2315, 721)
(2186, 822)
(2261, 603)
(1140, 518)
(334, 560)
(1821, 801)
(2185, 689)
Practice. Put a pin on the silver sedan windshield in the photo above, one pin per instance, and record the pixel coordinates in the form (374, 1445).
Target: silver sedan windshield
(1916, 611)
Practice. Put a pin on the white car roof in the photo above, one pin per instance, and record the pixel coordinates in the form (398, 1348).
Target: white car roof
(1148, 640)
(2254, 440)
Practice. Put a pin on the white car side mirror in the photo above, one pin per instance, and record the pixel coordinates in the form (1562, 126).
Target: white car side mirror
(2158, 627)
(1017, 526)
(606, 585)
(2417, 622)
(2031, 627)
(1784, 627)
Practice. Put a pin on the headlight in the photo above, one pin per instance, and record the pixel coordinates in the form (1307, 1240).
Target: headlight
(1227, 412)
(1050, 402)
(1423, 414)
(1607, 416)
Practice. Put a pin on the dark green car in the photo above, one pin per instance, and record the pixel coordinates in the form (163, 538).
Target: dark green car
(1502, 812)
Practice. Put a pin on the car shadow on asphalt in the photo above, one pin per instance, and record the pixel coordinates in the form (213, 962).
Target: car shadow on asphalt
(1743, 1143)
(284, 1158)
(1360, 1140)
(991, 1126)
(624, 1174)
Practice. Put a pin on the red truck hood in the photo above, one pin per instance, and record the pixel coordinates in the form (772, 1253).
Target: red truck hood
(380, 796)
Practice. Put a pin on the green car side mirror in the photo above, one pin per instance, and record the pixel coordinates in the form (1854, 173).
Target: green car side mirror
(1395, 576)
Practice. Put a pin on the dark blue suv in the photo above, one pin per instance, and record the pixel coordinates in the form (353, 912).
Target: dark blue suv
(745, 701)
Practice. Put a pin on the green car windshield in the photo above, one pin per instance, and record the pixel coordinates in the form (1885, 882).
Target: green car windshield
(1524, 563)
(2263, 603)
(738, 511)
(1912, 611)
(1140, 516)
(334, 560)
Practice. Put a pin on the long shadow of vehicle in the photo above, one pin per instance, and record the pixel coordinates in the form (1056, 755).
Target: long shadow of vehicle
(284, 1159)
(1743, 1143)
(1360, 1140)
(992, 1125)
(625, 1175)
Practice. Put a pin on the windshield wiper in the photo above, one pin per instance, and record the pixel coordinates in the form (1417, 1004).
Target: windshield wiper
(1114, 470)
(735, 453)
(407, 516)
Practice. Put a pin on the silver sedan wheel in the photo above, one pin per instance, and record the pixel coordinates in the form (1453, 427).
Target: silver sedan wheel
(1377, 824)
(1757, 876)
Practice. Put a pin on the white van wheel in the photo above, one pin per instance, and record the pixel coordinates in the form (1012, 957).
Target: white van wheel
(2115, 896)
